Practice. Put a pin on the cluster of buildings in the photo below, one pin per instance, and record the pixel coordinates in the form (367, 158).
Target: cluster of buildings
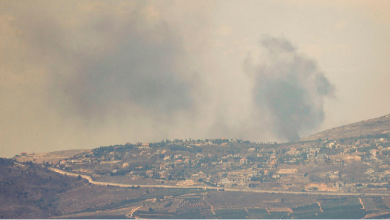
(236, 163)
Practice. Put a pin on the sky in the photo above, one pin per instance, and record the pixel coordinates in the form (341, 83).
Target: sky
(84, 74)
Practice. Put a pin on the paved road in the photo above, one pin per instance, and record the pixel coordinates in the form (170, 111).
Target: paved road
(226, 189)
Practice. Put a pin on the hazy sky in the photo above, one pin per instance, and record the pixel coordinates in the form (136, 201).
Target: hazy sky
(84, 74)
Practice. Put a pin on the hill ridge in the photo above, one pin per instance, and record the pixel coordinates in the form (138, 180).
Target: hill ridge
(374, 126)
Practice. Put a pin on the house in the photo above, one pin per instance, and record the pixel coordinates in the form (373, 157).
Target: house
(149, 173)
(292, 151)
(144, 146)
(374, 152)
(272, 162)
(243, 160)
(163, 174)
(225, 181)
(199, 156)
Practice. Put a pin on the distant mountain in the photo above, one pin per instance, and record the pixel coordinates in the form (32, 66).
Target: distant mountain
(376, 126)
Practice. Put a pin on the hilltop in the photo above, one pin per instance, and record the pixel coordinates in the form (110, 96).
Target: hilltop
(40, 158)
(372, 127)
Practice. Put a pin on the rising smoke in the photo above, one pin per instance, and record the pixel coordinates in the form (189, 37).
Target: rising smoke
(91, 73)
(290, 88)
(103, 71)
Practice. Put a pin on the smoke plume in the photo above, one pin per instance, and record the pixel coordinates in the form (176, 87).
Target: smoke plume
(290, 88)
(94, 73)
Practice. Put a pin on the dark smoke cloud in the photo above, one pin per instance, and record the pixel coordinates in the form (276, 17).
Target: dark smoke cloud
(92, 73)
(136, 63)
(290, 88)
(140, 72)
(99, 72)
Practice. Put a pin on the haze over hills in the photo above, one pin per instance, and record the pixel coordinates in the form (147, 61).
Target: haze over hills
(212, 178)
(154, 109)
(375, 126)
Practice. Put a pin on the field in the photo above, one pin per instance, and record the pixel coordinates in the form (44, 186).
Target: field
(220, 200)
(231, 213)
(195, 203)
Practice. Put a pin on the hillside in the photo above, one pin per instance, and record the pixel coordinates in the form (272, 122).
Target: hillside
(221, 178)
(374, 126)
(212, 178)
(30, 191)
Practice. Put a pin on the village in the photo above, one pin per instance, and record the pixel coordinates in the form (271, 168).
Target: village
(345, 165)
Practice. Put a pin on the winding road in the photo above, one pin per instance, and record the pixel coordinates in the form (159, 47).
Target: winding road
(225, 189)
